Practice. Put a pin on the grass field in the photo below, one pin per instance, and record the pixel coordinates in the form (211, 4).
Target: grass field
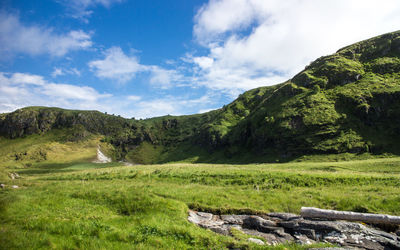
(101, 206)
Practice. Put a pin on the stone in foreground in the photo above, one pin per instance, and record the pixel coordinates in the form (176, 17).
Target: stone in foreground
(277, 228)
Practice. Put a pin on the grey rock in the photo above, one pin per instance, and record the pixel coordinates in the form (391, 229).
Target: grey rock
(220, 229)
(205, 215)
(256, 222)
(332, 248)
(325, 226)
(256, 241)
(284, 216)
(2, 185)
(279, 228)
(310, 233)
(285, 236)
(303, 240)
(205, 220)
(270, 238)
(288, 224)
(234, 219)
(14, 186)
(383, 234)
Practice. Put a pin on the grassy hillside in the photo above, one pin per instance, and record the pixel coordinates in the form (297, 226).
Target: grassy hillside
(347, 102)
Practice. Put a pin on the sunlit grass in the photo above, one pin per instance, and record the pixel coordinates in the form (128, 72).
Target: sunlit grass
(88, 205)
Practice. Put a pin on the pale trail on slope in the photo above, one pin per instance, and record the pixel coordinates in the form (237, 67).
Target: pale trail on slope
(101, 158)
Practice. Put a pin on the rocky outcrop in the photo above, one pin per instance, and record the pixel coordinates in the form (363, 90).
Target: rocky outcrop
(278, 228)
(101, 158)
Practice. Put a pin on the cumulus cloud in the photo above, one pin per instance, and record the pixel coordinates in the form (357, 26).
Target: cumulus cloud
(23, 79)
(19, 90)
(67, 91)
(82, 9)
(210, 21)
(263, 42)
(116, 65)
(16, 37)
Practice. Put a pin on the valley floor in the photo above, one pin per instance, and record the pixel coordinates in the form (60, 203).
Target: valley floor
(110, 206)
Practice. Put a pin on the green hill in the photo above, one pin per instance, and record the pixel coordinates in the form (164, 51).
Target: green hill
(347, 102)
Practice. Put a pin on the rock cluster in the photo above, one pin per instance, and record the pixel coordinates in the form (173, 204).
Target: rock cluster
(13, 176)
(277, 228)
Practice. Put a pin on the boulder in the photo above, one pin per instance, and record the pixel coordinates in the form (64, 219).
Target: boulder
(256, 241)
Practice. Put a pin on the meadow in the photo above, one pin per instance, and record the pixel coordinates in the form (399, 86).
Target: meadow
(81, 205)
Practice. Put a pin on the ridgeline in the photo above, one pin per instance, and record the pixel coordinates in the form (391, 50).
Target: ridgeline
(347, 102)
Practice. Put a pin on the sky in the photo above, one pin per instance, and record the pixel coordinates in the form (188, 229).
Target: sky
(146, 58)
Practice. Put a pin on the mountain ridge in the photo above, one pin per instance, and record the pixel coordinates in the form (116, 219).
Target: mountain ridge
(344, 102)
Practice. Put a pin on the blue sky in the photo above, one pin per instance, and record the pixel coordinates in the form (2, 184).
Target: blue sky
(149, 58)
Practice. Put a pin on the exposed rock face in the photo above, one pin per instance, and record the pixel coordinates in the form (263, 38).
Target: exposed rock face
(101, 158)
(278, 228)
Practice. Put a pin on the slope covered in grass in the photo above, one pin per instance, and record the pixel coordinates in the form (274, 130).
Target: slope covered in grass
(47, 152)
(347, 102)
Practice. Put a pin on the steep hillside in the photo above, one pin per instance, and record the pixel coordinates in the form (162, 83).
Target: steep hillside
(345, 102)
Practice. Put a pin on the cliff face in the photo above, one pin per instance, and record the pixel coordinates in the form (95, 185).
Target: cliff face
(345, 102)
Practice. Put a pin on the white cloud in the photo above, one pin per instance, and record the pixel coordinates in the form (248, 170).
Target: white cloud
(23, 78)
(171, 105)
(57, 72)
(116, 65)
(16, 37)
(134, 98)
(210, 21)
(81, 9)
(64, 71)
(19, 90)
(255, 43)
(164, 78)
(203, 62)
(67, 91)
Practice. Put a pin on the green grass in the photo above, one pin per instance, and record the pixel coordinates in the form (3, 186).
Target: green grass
(109, 206)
